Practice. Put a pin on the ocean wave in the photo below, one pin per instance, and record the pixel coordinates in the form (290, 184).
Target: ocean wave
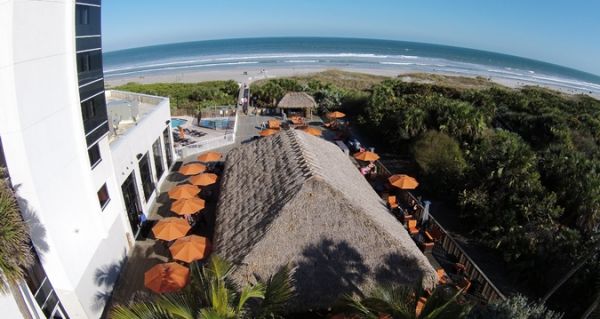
(398, 63)
(301, 61)
(184, 67)
(504, 72)
(262, 57)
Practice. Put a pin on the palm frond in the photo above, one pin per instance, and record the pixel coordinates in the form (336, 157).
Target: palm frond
(178, 305)
(356, 307)
(442, 304)
(255, 291)
(142, 310)
(279, 290)
(15, 251)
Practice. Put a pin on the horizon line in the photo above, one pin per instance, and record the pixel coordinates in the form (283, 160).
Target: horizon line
(356, 38)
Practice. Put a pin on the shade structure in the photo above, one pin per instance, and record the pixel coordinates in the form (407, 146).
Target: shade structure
(192, 169)
(267, 132)
(187, 206)
(366, 156)
(273, 124)
(190, 248)
(335, 115)
(167, 277)
(204, 179)
(209, 157)
(183, 191)
(403, 181)
(171, 228)
(312, 131)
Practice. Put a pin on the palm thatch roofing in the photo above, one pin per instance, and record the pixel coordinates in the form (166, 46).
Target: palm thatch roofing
(297, 100)
(297, 199)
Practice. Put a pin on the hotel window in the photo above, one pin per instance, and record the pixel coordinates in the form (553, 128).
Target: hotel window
(83, 62)
(88, 109)
(103, 197)
(146, 175)
(83, 14)
(167, 140)
(158, 158)
(94, 155)
(43, 292)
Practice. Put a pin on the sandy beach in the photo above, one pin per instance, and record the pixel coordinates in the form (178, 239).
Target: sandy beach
(249, 75)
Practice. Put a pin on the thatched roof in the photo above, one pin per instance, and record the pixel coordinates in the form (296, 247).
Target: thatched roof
(297, 100)
(296, 198)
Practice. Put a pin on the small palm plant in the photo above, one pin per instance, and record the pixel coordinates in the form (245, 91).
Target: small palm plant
(400, 302)
(211, 295)
(15, 251)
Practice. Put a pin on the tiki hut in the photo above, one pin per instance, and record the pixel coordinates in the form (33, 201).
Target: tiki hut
(296, 199)
(298, 102)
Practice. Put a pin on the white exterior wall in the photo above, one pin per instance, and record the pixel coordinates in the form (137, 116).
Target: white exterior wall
(9, 307)
(139, 140)
(44, 142)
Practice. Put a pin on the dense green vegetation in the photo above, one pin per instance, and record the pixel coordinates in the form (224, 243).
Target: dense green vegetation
(190, 97)
(520, 167)
(15, 251)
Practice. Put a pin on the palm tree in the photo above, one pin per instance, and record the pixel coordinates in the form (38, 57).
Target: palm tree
(211, 295)
(400, 302)
(15, 251)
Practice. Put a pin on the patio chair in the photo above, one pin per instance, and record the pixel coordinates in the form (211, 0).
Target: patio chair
(392, 202)
(464, 284)
(412, 227)
(442, 277)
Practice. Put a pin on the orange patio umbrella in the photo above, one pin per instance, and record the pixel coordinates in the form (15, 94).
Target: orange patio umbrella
(267, 132)
(187, 206)
(192, 169)
(273, 124)
(403, 181)
(312, 131)
(167, 277)
(183, 191)
(190, 248)
(209, 157)
(203, 179)
(171, 228)
(335, 115)
(366, 156)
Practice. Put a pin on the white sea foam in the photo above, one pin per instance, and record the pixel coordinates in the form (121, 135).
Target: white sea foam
(503, 72)
(398, 63)
(301, 61)
(185, 67)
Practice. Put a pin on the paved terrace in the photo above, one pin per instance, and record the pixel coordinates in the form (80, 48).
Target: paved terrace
(149, 252)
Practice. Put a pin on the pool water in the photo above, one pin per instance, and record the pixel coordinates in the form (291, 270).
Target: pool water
(220, 124)
(177, 122)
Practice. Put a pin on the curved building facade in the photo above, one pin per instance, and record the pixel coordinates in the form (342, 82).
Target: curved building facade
(56, 140)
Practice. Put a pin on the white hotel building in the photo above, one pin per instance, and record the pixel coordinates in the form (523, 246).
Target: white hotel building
(85, 163)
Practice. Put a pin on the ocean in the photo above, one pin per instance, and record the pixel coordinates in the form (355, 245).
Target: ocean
(296, 52)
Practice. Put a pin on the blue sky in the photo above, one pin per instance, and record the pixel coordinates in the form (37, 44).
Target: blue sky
(563, 32)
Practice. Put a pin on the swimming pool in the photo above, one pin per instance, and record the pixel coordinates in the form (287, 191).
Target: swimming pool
(177, 122)
(216, 123)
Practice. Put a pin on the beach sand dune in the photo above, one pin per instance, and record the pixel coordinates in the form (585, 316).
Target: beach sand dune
(249, 75)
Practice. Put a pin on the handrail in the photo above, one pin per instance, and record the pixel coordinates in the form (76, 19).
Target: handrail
(468, 262)
(488, 289)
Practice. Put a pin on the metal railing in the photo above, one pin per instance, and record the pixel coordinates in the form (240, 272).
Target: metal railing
(485, 289)
(227, 138)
